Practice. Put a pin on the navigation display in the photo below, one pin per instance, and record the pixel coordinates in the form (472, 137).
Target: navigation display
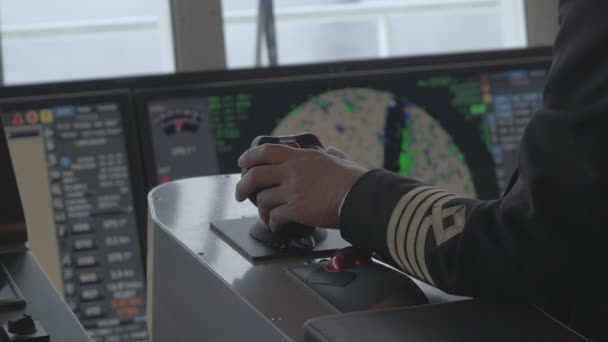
(72, 164)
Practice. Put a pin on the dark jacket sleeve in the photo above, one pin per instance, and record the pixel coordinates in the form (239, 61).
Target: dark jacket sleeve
(545, 234)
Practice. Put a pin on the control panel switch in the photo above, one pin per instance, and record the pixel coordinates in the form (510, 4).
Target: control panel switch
(24, 329)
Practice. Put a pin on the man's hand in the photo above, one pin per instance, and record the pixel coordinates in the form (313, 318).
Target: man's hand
(297, 185)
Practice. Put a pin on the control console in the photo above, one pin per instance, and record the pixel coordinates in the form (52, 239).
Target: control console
(232, 269)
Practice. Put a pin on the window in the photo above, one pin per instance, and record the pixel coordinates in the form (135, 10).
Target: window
(326, 30)
(65, 39)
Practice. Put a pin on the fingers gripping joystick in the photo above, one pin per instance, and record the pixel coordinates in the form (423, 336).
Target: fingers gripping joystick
(292, 235)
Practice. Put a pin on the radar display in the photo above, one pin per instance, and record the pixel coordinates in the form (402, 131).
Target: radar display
(355, 121)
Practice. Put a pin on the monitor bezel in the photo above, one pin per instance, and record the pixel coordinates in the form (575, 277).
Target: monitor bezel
(213, 76)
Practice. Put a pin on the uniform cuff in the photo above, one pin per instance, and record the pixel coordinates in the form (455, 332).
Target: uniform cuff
(367, 208)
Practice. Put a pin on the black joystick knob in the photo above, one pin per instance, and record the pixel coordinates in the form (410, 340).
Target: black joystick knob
(294, 235)
(24, 325)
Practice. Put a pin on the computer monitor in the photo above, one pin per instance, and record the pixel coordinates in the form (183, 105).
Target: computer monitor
(450, 121)
(75, 158)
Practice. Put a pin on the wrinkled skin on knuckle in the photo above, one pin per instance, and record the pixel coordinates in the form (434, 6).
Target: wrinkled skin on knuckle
(254, 176)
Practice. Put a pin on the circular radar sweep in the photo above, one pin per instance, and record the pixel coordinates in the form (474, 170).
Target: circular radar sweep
(350, 119)
(354, 120)
(429, 154)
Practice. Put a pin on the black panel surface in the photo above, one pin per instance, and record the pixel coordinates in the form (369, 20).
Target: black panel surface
(236, 233)
(471, 321)
(369, 287)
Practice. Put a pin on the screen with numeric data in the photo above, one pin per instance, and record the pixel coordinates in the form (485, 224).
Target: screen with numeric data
(453, 126)
(72, 156)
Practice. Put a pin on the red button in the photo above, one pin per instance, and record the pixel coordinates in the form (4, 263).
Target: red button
(17, 120)
(349, 257)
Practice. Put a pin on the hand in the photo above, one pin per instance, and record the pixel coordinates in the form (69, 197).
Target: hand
(297, 185)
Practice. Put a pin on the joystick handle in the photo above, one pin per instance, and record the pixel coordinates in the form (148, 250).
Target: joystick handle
(296, 235)
(304, 140)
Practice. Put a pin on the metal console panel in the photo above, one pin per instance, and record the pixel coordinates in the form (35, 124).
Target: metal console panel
(202, 289)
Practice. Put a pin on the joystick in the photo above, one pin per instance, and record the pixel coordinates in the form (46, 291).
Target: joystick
(256, 242)
(294, 235)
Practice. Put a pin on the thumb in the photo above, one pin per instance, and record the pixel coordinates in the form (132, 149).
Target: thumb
(336, 152)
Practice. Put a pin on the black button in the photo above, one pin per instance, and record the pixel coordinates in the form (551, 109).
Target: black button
(92, 311)
(84, 244)
(88, 278)
(90, 294)
(86, 261)
(109, 322)
(82, 228)
(69, 135)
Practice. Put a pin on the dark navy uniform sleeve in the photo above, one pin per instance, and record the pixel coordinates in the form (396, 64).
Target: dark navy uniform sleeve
(545, 237)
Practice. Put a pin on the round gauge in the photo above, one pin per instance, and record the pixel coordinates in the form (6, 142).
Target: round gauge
(178, 121)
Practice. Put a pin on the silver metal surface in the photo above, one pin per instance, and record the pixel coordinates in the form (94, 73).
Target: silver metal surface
(182, 211)
(193, 304)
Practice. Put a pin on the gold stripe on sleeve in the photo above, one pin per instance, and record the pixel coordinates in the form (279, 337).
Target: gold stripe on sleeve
(404, 226)
(410, 240)
(396, 217)
(434, 220)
